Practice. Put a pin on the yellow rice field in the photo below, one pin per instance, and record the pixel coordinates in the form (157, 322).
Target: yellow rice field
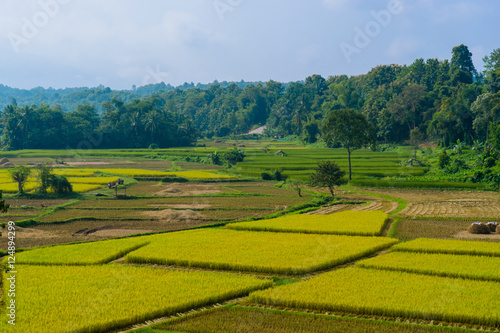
(362, 223)
(81, 254)
(103, 298)
(390, 293)
(269, 252)
(450, 246)
(449, 265)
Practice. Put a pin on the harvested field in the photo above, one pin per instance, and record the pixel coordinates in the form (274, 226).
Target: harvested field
(175, 189)
(66, 214)
(275, 203)
(408, 229)
(233, 214)
(440, 196)
(332, 209)
(103, 163)
(383, 205)
(48, 234)
(171, 214)
(271, 190)
(35, 202)
(458, 209)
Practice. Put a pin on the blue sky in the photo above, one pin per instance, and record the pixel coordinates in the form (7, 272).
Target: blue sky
(120, 43)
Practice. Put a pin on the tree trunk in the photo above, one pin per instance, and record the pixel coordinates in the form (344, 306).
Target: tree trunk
(19, 187)
(331, 192)
(349, 157)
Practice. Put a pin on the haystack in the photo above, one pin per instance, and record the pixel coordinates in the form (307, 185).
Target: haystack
(492, 226)
(478, 228)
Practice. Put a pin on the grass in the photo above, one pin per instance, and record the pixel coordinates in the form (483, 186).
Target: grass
(448, 265)
(344, 223)
(448, 246)
(263, 252)
(395, 294)
(81, 254)
(239, 319)
(105, 298)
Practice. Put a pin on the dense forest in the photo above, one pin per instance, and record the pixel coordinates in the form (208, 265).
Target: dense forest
(433, 100)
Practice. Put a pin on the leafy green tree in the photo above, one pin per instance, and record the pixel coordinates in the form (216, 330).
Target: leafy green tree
(20, 175)
(327, 174)
(60, 184)
(416, 139)
(234, 155)
(350, 129)
(43, 175)
(462, 60)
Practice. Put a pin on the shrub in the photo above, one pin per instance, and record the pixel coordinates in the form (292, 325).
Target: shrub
(153, 146)
(266, 176)
(60, 184)
(444, 160)
(478, 228)
(490, 162)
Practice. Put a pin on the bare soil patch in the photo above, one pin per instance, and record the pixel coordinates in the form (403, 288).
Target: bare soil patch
(35, 202)
(466, 235)
(49, 234)
(118, 232)
(184, 206)
(88, 163)
(172, 214)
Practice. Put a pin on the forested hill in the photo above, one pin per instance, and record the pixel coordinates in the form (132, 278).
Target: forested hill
(434, 100)
(70, 98)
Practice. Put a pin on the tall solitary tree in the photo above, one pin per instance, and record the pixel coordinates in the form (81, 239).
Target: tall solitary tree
(328, 174)
(350, 129)
(20, 175)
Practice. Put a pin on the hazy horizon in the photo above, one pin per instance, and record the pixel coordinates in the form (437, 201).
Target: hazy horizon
(118, 44)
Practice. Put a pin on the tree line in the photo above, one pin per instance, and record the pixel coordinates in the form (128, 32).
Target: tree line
(429, 100)
(139, 124)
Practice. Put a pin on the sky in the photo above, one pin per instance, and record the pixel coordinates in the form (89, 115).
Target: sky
(121, 43)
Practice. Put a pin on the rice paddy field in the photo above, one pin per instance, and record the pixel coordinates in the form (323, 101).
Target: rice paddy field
(391, 293)
(228, 252)
(92, 299)
(360, 223)
(279, 253)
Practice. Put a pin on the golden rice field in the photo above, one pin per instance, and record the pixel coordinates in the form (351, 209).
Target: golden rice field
(360, 223)
(390, 293)
(12, 187)
(81, 254)
(92, 180)
(449, 265)
(103, 298)
(190, 174)
(450, 246)
(267, 252)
